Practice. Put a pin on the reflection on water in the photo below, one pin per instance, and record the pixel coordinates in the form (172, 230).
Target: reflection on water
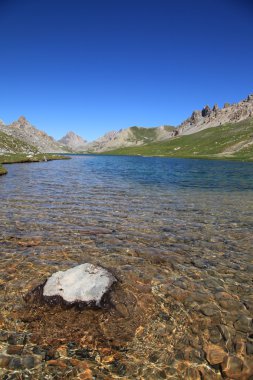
(178, 235)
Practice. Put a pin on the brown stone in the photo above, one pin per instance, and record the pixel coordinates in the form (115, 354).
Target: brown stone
(78, 363)
(57, 363)
(15, 350)
(223, 296)
(192, 374)
(232, 367)
(86, 375)
(30, 243)
(215, 354)
(4, 361)
(209, 310)
(247, 368)
(243, 323)
(207, 374)
(240, 347)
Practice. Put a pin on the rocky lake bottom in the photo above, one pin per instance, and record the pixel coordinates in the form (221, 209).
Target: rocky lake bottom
(177, 235)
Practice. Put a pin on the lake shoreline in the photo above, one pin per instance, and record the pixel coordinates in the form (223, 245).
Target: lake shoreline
(210, 158)
(19, 158)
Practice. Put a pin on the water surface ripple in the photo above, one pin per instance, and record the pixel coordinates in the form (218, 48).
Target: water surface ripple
(178, 235)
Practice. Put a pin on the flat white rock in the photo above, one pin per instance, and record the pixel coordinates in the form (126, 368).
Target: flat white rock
(84, 283)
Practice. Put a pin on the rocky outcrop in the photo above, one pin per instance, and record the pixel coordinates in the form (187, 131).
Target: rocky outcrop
(129, 137)
(206, 111)
(10, 144)
(73, 141)
(196, 115)
(215, 108)
(208, 118)
(24, 131)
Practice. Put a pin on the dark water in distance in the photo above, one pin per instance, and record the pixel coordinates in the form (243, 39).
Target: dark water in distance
(180, 226)
(166, 173)
(173, 172)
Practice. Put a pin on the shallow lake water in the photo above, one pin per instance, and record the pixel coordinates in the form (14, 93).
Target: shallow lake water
(178, 236)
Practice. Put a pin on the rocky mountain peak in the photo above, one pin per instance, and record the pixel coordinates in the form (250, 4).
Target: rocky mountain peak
(23, 130)
(22, 120)
(206, 111)
(215, 108)
(73, 141)
(195, 115)
(71, 134)
(207, 118)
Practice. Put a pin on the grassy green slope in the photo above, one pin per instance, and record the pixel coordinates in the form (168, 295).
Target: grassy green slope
(22, 157)
(20, 152)
(11, 144)
(147, 135)
(2, 170)
(226, 141)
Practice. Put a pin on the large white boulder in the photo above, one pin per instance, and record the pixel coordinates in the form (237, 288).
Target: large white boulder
(83, 284)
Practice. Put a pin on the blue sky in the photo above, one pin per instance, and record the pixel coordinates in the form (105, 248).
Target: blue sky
(93, 66)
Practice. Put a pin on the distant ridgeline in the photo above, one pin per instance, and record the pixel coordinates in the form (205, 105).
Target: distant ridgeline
(212, 131)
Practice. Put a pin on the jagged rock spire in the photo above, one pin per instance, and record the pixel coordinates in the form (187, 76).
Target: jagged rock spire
(206, 111)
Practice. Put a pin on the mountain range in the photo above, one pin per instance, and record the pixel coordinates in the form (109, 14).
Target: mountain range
(30, 138)
(21, 136)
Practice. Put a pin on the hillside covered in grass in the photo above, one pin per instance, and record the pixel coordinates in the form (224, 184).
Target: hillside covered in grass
(13, 150)
(13, 147)
(148, 135)
(23, 157)
(234, 141)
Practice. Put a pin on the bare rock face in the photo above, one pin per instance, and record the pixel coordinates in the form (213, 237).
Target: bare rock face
(73, 141)
(195, 116)
(132, 136)
(209, 118)
(22, 129)
(215, 108)
(22, 121)
(206, 111)
(83, 285)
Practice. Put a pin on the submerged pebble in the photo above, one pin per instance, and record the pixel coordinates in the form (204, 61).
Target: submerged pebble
(182, 256)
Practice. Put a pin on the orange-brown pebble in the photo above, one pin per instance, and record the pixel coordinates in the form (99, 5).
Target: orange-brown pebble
(57, 363)
(247, 368)
(79, 363)
(62, 350)
(215, 354)
(192, 374)
(108, 359)
(86, 375)
(15, 350)
(232, 367)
